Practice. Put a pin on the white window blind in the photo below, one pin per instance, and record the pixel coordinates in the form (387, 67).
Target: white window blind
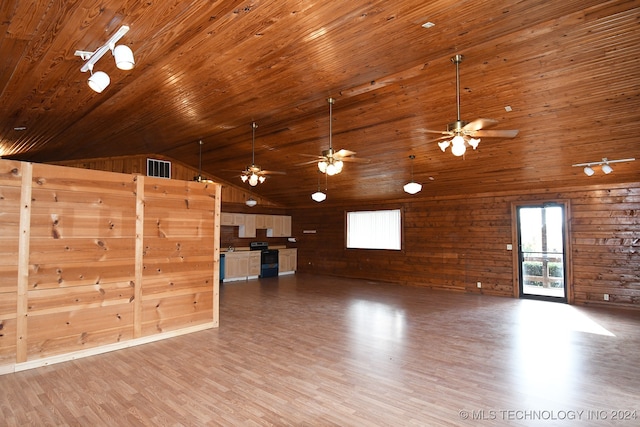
(374, 229)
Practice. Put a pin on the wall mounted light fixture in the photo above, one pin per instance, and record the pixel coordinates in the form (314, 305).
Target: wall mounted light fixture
(605, 166)
(122, 54)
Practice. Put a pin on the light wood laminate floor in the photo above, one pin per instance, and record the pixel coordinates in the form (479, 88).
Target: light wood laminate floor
(308, 350)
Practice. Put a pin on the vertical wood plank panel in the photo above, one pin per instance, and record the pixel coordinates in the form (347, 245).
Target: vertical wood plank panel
(216, 257)
(137, 299)
(23, 263)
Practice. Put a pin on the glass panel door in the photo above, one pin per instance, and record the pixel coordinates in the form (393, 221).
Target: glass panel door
(541, 252)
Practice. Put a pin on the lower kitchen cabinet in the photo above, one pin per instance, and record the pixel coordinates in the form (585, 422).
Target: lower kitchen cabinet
(287, 261)
(241, 265)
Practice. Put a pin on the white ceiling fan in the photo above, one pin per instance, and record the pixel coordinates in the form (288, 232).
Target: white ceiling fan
(460, 134)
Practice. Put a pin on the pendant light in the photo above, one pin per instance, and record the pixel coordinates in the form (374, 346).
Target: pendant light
(319, 196)
(412, 187)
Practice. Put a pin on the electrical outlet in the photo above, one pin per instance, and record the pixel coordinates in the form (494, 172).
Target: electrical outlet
(479, 284)
(606, 297)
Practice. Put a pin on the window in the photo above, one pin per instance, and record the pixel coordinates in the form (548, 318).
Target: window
(374, 229)
(159, 168)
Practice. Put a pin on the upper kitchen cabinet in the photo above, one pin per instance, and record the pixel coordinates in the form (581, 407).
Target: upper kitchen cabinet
(281, 226)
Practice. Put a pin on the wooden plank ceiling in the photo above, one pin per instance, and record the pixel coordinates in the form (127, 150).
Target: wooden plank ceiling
(568, 69)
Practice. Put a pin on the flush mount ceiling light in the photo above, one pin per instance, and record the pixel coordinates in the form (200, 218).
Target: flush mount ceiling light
(122, 54)
(412, 187)
(604, 165)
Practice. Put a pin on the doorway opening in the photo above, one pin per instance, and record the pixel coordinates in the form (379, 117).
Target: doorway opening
(541, 252)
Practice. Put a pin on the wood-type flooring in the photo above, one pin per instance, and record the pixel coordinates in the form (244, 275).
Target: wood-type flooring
(305, 350)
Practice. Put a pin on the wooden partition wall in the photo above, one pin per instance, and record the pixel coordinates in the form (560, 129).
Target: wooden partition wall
(92, 261)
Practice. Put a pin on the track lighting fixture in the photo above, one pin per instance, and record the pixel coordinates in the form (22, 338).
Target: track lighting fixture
(605, 166)
(123, 55)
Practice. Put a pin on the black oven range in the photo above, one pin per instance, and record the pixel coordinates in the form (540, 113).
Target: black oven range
(268, 259)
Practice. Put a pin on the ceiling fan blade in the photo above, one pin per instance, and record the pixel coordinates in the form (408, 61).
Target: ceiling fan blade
(478, 124)
(497, 133)
(271, 173)
(344, 153)
(308, 162)
(442, 132)
(355, 159)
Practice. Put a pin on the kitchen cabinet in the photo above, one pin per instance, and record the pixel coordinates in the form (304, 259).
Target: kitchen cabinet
(236, 266)
(264, 222)
(287, 261)
(254, 264)
(246, 223)
(281, 226)
(229, 218)
(276, 225)
(248, 226)
(241, 265)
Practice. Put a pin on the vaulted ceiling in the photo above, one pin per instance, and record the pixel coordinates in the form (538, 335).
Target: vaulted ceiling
(565, 73)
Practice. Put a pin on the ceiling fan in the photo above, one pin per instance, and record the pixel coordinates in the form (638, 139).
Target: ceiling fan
(331, 161)
(254, 174)
(460, 134)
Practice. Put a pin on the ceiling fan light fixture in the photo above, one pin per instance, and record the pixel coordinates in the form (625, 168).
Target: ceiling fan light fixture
(458, 146)
(322, 166)
(253, 180)
(332, 169)
(443, 145)
(261, 178)
(473, 142)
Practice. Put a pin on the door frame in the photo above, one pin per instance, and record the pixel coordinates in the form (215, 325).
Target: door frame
(567, 243)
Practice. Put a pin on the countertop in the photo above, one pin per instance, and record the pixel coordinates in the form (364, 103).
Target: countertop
(246, 248)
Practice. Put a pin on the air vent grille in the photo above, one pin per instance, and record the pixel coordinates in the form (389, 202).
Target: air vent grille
(159, 168)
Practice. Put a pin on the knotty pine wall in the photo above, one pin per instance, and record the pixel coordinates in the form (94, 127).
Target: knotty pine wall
(234, 195)
(93, 260)
(452, 243)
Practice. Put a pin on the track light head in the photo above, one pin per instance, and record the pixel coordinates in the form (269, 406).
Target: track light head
(588, 170)
(99, 81)
(124, 57)
(607, 169)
